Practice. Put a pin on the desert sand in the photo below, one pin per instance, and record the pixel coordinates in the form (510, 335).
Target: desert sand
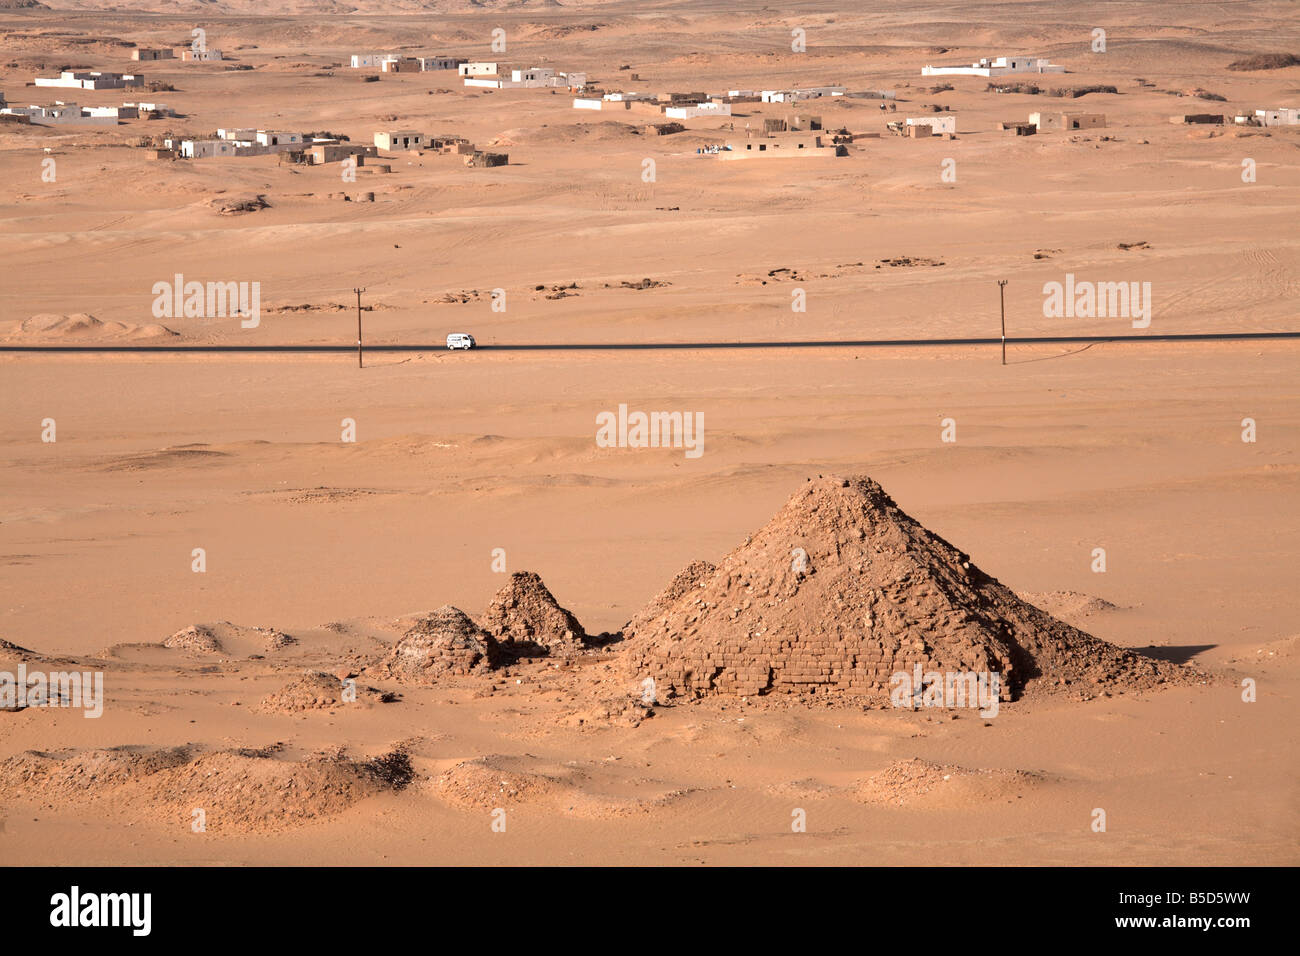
(330, 561)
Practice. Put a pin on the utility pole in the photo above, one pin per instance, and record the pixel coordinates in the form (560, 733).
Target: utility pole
(358, 292)
(1001, 295)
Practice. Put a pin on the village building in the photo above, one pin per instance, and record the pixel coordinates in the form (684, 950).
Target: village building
(335, 152)
(1278, 117)
(1001, 66)
(791, 146)
(200, 56)
(370, 61)
(208, 148)
(1047, 121)
(431, 63)
(153, 110)
(805, 93)
(1190, 119)
(242, 142)
(277, 139)
(91, 81)
(400, 64)
(470, 68)
(1018, 127)
(939, 123)
(64, 114)
(391, 141)
(146, 53)
(697, 110)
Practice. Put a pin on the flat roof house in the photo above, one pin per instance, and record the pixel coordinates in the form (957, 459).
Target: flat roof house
(90, 81)
(470, 68)
(1045, 121)
(801, 146)
(1001, 66)
(146, 53)
(429, 63)
(1279, 117)
(399, 139)
(939, 123)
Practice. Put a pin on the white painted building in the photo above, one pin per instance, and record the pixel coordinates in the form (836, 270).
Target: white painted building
(277, 139)
(64, 114)
(477, 69)
(698, 109)
(805, 93)
(1279, 117)
(207, 148)
(1001, 66)
(91, 81)
(395, 140)
(201, 56)
(939, 123)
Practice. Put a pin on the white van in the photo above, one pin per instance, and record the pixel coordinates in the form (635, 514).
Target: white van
(460, 340)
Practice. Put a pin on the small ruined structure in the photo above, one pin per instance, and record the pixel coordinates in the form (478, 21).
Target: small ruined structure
(1191, 119)
(445, 642)
(526, 620)
(1001, 66)
(481, 158)
(1017, 127)
(840, 591)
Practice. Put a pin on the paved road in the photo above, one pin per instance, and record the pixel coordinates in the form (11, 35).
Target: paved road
(680, 346)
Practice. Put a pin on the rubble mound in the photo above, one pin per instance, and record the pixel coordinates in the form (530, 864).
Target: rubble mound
(840, 591)
(920, 781)
(223, 637)
(238, 790)
(527, 620)
(316, 690)
(492, 781)
(197, 639)
(10, 649)
(445, 642)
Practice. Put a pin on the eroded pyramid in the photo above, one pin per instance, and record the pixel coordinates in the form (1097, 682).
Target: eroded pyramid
(527, 620)
(840, 591)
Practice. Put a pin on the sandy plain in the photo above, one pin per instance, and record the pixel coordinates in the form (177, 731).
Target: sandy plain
(1128, 446)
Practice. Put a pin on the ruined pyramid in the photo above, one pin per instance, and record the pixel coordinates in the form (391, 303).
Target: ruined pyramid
(527, 621)
(841, 590)
(445, 641)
